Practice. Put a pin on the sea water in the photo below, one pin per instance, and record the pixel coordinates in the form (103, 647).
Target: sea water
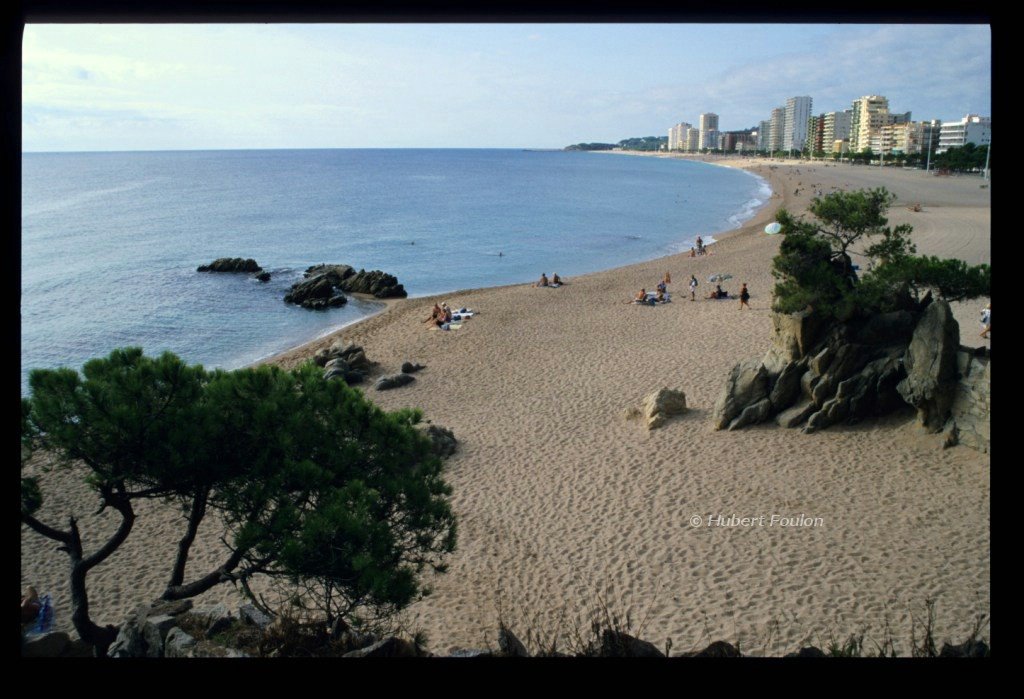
(110, 242)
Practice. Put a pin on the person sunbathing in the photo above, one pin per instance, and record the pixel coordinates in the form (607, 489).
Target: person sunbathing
(718, 293)
(555, 279)
(543, 279)
(641, 296)
(435, 314)
(660, 296)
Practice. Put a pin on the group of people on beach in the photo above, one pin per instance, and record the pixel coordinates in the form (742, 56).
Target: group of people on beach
(660, 296)
(701, 249)
(554, 281)
(440, 315)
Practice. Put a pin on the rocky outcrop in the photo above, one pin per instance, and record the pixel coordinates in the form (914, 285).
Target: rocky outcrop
(816, 376)
(661, 405)
(316, 292)
(410, 368)
(442, 438)
(346, 361)
(231, 264)
(386, 383)
(931, 365)
(374, 283)
(747, 385)
(969, 422)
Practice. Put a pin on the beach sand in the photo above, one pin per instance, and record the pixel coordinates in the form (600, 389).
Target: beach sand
(565, 506)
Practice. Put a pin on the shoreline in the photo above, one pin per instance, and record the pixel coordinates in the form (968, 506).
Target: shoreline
(760, 217)
(564, 504)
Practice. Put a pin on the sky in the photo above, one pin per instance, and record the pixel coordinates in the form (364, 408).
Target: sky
(108, 87)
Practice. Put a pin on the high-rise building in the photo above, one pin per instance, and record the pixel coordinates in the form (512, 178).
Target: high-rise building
(677, 136)
(870, 113)
(776, 129)
(692, 140)
(815, 134)
(708, 123)
(836, 128)
(971, 129)
(798, 111)
(763, 130)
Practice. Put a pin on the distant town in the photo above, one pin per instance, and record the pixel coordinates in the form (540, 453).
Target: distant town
(867, 131)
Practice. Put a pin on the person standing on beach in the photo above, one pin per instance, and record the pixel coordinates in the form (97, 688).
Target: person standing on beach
(986, 320)
(693, 288)
(744, 297)
(668, 278)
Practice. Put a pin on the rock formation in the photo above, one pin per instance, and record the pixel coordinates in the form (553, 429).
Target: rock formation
(232, 264)
(816, 375)
(346, 361)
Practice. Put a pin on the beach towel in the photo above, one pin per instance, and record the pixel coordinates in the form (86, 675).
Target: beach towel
(462, 316)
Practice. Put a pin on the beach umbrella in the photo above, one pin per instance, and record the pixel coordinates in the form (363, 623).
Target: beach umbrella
(719, 277)
(773, 228)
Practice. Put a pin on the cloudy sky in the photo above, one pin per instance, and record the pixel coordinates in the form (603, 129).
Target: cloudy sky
(209, 86)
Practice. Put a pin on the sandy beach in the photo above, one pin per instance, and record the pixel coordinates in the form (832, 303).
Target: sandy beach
(564, 504)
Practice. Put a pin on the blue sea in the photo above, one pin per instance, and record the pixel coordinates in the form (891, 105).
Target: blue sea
(110, 242)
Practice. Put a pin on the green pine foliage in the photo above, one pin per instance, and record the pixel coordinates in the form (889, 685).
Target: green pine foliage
(813, 268)
(315, 485)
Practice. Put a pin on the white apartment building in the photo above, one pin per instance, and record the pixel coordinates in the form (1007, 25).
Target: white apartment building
(708, 124)
(870, 113)
(692, 140)
(971, 129)
(798, 112)
(776, 129)
(836, 128)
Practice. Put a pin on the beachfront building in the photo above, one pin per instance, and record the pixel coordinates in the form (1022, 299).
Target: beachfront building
(836, 127)
(869, 114)
(677, 136)
(692, 140)
(816, 134)
(708, 130)
(971, 129)
(763, 129)
(798, 111)
(711, 139)
(738, 140)
(776, 130)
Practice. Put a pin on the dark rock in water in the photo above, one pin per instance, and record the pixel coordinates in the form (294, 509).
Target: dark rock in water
(375, 283)
(410, 368)
(315, 292)
(385, 383)
(231, 264)
(615, 644)
(263, 276)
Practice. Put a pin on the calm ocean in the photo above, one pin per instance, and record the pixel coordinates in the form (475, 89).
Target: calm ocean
(110, 241)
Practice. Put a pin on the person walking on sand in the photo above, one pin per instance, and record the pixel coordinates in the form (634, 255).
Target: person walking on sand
(693, 288)
(744, 297)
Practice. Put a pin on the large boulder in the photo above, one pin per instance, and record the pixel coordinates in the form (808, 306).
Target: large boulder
(231, 264)
(895, 328)
(442, 438)
(663, 404)
(178, 644)
(747, 384)
(374, 283)
(931, 366)
(752, 414)
(793, 336)
(969, 420)
(787, 386)
(386, 383)
(316, 292)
